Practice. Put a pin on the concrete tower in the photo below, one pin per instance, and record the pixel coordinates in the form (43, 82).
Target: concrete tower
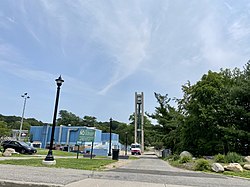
(139, 117)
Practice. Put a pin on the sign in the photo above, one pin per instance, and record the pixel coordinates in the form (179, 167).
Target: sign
(86, 135)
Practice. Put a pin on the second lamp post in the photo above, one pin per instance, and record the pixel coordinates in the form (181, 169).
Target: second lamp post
(110, 136)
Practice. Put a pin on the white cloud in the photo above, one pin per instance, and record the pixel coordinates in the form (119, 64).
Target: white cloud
(127, 42)
(214, 48)
(239, 30)
(74, 86)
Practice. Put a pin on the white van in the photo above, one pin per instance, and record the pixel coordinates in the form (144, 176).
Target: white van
(135, 149)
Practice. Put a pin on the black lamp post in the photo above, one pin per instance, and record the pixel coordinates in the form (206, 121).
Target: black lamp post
(126, 145)
(110, 131)
(50, 157)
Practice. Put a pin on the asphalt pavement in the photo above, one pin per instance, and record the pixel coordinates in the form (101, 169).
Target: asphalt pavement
(146, 171)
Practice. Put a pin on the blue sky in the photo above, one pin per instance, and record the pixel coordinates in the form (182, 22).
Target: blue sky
(108, 50)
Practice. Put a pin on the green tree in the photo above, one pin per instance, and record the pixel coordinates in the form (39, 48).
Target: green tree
(67, 118)
(216, 111)
(89, 121)
(169, 121)
(4, 130)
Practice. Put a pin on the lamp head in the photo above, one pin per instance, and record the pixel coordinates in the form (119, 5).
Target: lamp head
(59, 81)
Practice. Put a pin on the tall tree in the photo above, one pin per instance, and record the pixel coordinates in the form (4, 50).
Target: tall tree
(169, 122)
(216, 113)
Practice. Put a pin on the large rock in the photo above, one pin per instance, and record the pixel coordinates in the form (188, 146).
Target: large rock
(247, 158)
(234, 167)
(185, 154)
(11, 150)
(7, 154)
(216, 167)
(246, 166)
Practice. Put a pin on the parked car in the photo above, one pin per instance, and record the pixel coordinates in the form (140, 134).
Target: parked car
(19, 146)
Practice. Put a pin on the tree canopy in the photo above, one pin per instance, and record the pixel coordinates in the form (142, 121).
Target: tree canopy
(212, 117)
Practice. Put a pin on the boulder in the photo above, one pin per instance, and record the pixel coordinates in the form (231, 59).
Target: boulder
(7, 154)
(246, 166)
(233, 167)
(10, 150)
(216, 167)
(185, 154)
(247, 158)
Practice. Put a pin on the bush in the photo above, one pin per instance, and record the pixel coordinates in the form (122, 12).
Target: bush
(173, 157)
(185, 159)
(233, 157)
(202, 165)
(219, 158)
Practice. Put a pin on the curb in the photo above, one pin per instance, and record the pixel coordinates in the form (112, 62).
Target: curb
(9, 183)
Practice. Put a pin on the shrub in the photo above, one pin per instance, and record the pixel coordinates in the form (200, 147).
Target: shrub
(176, 157)
(219, 158)
(185, 159)
(202, 165)
(233, 157)
(173, 157)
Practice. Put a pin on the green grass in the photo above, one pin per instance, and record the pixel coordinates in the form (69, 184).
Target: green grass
(55, 152)
(245, 173)
(45, 152)
(72, 163)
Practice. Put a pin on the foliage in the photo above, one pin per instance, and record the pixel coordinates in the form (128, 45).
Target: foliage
(219, 158)
(202, 165)
(185, 159)
(233, 157)
(13, 122)
(4, 131)
(66, 118)
(158, 145)
(169, 123)
(173, 157)
(216, 113)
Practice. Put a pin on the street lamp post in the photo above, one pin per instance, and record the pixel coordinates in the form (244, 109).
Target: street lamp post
(25, 96)
(110, 131)
(126, 145)
(49, 158)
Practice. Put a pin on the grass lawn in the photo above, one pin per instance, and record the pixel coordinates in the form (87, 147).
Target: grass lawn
(72, 163)
(45, 152)
(55, 152)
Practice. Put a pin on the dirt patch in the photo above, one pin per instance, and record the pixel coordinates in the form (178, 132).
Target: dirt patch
(117, 164)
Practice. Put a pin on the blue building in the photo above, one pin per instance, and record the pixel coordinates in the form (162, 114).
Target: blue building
(68, 136)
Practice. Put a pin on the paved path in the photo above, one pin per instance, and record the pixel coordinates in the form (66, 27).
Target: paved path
(148, 171)
(153, 171)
